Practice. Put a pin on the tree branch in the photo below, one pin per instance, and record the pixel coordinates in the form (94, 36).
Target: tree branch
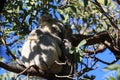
(105, 62)
(99, 50)
(9, 52)
(102, 37)
(31, 71)
(91, 39)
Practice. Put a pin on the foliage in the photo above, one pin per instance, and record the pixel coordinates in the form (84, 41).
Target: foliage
(115, 67)
(86, 17)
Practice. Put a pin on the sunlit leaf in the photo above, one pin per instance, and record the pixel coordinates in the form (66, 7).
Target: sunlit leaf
(112, 67)
(73, 26)
(1, 58)
(101, 2)
(83, 42)
(27, 1)
(18, 9)
(71, 50)
(29, 7)
(111, 78)
(9, 11)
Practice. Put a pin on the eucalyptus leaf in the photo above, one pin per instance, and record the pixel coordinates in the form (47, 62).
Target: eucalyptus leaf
(111, 78)
(106, 2)
(1, 58)
(83, 42)
(112, 67)
(71, 50)
(80, 59)
(9, 11)
(85, 2)
(73, 8)
(72, 26)
(18, 9)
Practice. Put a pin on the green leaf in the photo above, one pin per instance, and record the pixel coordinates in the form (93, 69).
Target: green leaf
(80, 59)
(72, 26)
(77, 57)
(118, 74)
(9, 11)
(85, 3)
(62, 16)
(27, 1)
(112, 67)
(106, 2)
(111, 78)
(71, 50)
(18, 9)
(29, 7)
(83, 42)
(1, 58)
(21, 36)
(73, 8)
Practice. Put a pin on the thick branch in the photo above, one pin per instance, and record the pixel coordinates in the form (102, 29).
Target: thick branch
(102, 37)
(91, 39)
(32, 72)
(118, 1)
(106, 62)
(113, 48)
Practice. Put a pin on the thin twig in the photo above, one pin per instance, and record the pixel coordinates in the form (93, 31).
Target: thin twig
(67, 76)
(10, 53)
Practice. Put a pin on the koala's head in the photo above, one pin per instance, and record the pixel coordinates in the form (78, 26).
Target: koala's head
(52, 26)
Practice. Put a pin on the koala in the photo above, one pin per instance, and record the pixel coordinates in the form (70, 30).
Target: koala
(44, 47)
(42, 50)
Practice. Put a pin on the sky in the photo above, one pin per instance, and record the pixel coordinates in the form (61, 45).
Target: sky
(99, 72)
